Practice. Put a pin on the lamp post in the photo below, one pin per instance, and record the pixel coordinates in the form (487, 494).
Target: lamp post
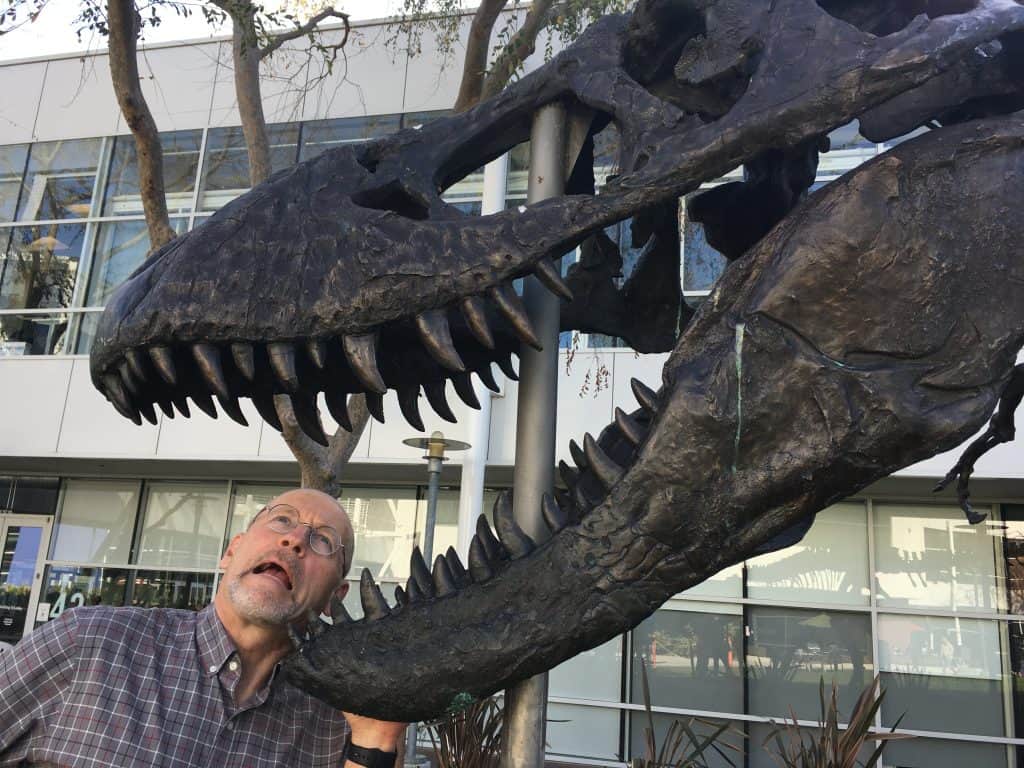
(435, 445)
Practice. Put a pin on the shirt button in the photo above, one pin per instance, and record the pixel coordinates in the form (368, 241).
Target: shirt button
(213, 668)
(230, 726)
(233, 665)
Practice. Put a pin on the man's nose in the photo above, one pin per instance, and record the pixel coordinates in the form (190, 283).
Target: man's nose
(297, 540)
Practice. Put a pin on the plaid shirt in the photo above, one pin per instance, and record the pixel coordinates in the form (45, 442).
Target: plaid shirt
(122, 687)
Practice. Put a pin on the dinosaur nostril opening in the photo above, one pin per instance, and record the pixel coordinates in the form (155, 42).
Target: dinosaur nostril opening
(884, 17)
(392, 197)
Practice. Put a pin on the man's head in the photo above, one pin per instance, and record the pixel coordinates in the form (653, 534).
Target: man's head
(274, 573)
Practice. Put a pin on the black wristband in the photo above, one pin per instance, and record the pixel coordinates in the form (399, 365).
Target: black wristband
(370, 758)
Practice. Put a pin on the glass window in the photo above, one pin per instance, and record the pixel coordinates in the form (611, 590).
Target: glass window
(730, 744)
(384, 521)
(595, 674)
(320, 135)
(1013, 557)
(726, 583)
(6, 486)
(39, 267)
(930, 556)
(169, 589)
(790, 651)
(19, 551)
(35, 495)
(937, 753)
(181, 160)
(582, 731)
(847, 150)
(120, 248)
(941, 674)
(86, 323)
(691, 656)
(829, 565)
(764, 755)
(70, 586)
(12, 167)
(226, 164)
(702, 264)
(248, 499)
(446, 527)
(97, 518)
(59, 180)
(35, 334)
(183, 525)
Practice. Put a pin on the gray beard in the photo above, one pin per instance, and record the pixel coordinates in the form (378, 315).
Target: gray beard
(249, 605)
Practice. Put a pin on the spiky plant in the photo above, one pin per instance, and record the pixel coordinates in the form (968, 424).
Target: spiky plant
(469, 737)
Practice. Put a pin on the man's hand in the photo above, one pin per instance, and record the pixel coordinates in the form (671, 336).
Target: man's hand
(375, 734)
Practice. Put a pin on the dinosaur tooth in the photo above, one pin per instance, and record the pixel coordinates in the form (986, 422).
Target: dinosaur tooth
(473, 309)
(127, 379)
(414, 592)
(487, 378)
(492, 547)
(339, 613)
(580, 500)
(548, 274)
(163, 359)
(569, 475)
(629, 427)
(511, 308)
(361, 352)
(374, 605)
(509, 533)
(166, 407)
(444, 579)
(265, 407)
(231, 407)
(115, 393)
(207, 357)
(437, 338)
(375, 405)
(644, 395)
(308, 417)
(146, 409)
(464, 389)
(136, 364)
(578, 456)
(182, 405)
(479, 566)
(337, 406)
(554, 516)
(564, 501)
(505, 363)
(401, 598)
(242, 354)
(317, 351)
(434, 391)
(419, 573)
(282, 361)
(458, 570)
(204, 403)
(408, 401)
(606, 470)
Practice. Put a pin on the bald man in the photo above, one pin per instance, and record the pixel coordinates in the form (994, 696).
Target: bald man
(108, 686)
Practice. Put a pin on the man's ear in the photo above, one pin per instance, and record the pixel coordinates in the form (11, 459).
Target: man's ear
(340, 593)
(229, 552)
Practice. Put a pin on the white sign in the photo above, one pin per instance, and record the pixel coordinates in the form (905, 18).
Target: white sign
(43, 612)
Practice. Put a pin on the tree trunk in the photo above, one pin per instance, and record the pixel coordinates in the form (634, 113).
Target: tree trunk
(474, 68)
(246, 54)
(122, 19)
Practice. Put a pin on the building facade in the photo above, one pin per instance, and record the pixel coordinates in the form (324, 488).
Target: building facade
(96, 510)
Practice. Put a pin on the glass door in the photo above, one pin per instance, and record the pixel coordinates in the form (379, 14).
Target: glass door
(23, 541)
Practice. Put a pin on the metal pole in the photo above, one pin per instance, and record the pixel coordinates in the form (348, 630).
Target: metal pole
(526, 702)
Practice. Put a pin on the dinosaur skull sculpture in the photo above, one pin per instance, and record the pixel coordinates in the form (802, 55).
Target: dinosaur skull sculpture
(875, 323)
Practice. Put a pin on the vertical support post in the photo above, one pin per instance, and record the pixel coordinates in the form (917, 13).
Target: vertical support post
(526, 702)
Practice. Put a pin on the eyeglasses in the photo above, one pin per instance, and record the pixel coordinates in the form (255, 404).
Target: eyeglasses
(281, 518)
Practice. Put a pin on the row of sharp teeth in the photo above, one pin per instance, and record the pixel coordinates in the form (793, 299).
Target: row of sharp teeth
(123, 387)
(489, 553)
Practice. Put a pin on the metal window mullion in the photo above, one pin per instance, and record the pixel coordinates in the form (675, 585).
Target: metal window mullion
(197, 185)
(873, 603)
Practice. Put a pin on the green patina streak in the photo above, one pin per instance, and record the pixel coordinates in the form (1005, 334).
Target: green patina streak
(739, 394)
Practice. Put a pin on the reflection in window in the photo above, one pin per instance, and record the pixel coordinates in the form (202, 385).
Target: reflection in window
(59, 180)
(702, 264)
(69, 586)
(181, 160)
(39, 266)
(12, 167)
(829, 565)
(690, 657)
(183, 525)
(320, 135)
(936, 753)
(19, 551)
(582, 731)
(595, 674)
(941, 674)
(96, 521)
(847, 149)
(384, 522)
(730, 745)
(929, 556)
(725, 583)
(120, 248)
(790, 651)
(168, 589)
(35, 496)
(226, 164)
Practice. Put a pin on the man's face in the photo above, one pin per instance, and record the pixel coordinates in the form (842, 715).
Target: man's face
(274, 578)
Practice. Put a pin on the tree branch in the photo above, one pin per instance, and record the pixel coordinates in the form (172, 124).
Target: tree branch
(277, 40)
(474, 68)
(522, 44)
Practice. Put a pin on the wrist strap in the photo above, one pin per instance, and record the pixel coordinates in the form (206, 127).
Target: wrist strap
(370, 758)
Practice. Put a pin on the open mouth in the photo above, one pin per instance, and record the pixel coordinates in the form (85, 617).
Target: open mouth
(275, 571)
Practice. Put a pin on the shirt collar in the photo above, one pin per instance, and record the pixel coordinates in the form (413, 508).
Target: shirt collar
(213, 642)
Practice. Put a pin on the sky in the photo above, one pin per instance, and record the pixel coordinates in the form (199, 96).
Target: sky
(52, 32)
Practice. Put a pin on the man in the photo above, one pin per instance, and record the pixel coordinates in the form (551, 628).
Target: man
(159, 687)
